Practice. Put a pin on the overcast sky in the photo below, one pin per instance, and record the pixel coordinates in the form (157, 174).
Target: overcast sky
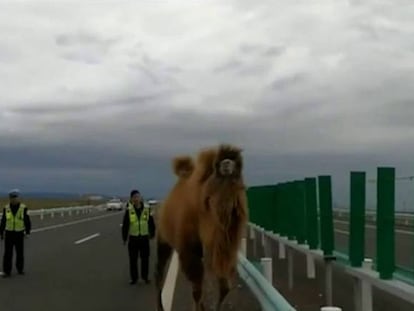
(99, 95)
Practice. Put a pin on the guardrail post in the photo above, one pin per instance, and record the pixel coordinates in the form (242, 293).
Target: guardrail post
(243, 247)
(70, 211)
(251, 233)
(357, 219)
(267, 246)
(290, 267)
(53, 214)
(328, 279)
(262, 236)
(363, 291)
(310, 266)
(42, 214)
(282, 250)
(385, 222)
(61, 213)
(255, 243)
(266, 263)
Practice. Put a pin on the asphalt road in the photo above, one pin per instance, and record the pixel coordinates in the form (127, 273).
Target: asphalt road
(62, 275)
(404, 243)
(79, 263)
(239, 298)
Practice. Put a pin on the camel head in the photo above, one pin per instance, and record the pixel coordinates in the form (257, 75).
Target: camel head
(228, 162)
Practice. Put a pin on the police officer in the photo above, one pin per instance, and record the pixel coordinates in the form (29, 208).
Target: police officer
(15, 223)
(138, 228)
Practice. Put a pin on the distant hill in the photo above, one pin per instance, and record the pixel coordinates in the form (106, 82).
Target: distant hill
(53, 195)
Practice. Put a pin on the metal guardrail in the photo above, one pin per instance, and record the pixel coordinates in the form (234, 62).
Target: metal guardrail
(366, 276)
(83, 209)
(269, 298)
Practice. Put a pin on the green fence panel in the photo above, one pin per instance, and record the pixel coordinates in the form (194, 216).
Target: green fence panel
(325, 203)
(357, 219)
(385, 222)
(312, 223)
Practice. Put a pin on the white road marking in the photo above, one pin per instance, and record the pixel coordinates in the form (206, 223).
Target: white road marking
(169, 284)
(342, 231)
(88, 238)
(71, 223)
(370, 227)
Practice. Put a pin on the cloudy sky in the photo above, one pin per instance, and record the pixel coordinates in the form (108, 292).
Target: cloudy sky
(99, 95)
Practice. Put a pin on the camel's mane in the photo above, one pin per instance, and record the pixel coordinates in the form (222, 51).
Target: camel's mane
(224, 208)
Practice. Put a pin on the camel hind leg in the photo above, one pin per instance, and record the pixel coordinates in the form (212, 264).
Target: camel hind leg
(193, 269)
(164, 252)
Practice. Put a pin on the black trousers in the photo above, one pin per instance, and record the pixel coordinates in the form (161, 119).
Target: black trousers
(138, 246)
(12, 240)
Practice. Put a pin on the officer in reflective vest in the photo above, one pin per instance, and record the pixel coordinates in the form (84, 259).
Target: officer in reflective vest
(15, 223)
(138, 228)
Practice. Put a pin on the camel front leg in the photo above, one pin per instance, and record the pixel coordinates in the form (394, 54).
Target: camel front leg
(224, 288)
(193, 268)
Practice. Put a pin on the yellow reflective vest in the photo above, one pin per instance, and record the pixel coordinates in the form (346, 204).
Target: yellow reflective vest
(138, 226)
(15, 222)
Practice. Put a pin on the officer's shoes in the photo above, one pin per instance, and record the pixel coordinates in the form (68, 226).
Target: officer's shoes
(132, 282)
(147, 281)
(5, 275)
(21, 272)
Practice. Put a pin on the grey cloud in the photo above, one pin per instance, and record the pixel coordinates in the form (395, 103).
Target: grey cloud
(84, 47)
(150, 74)
(348, 106)
(259, 50)
(8, 55)
(158, 72)
(274, 51)
(230, 65)
(84, 38)
(255, 69)
(250, 48)
(263, 57)
(286, 82)
(243, 67)
(82, 58)
(141, 101)
(397, 114)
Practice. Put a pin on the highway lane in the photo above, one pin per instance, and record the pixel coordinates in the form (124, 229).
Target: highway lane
(90, 275)
(404, 243)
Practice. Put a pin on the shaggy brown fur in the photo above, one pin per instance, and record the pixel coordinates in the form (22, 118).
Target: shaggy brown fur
(203, 217)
